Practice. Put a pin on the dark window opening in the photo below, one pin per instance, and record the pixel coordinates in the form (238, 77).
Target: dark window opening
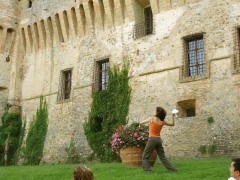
(65, 85)
(98, 123)
(190, 112)
(103, 74)
(238, 32)
(67, 80)
(3, 89)
(187, 108)
(195, 56)
(148, 20)
(29, 4)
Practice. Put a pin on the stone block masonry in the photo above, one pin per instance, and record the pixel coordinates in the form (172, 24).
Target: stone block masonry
(50, 38)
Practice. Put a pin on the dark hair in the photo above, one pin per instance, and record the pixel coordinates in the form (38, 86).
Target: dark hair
(82, 173)
(236, 164)
(161, 113)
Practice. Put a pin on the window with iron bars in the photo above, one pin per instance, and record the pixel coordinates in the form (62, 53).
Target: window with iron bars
(102, 74)
(144, 28)
(195, 56)
(65, 85)
(236, 62)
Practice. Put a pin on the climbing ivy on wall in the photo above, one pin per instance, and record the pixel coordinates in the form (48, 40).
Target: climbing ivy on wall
(33, 150)
(109, 110)
(10, 138)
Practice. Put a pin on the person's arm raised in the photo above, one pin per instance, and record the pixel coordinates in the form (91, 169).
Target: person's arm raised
(170, 123)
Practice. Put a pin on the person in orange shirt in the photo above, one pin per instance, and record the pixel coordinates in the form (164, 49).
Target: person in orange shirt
(154, 141)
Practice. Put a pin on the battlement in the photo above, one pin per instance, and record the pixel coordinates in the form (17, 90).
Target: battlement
(8, 24)
(47, 24)
(9, 14)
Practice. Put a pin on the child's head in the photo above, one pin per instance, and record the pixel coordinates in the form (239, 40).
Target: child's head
(235, 168)
(82, 173)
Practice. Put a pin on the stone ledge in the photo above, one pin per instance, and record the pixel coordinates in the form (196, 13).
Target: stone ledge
(222, 58)
(35, 97)
(160, 70)
(54, 93)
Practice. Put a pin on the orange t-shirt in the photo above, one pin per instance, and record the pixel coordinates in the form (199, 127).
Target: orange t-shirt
(155, 129)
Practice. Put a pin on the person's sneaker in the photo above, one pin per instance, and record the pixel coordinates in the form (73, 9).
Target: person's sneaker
(148, 171)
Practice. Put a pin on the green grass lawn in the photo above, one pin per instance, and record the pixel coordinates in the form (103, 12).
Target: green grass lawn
(204, 169)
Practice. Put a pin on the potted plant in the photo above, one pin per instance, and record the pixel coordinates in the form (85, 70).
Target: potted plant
(129, 142)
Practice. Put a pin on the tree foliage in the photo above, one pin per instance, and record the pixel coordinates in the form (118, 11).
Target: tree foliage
(10, 138)
(33, 151)
(108, 111)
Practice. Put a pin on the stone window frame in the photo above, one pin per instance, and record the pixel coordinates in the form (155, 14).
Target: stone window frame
(187, 108)
(140, 28)
(61, 88)
(96, 81)
(236, 50)
(183, 76)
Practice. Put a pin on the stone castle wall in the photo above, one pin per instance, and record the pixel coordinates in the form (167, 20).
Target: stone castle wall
(8, 24)
(56, 35)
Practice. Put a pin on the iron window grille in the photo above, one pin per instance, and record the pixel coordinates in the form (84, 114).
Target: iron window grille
(236, 61)
(144, 28)
(101, 75)
(196, 62)
(190, 112)
(195, 57)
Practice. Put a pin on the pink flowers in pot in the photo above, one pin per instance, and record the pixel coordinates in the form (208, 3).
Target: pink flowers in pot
(129, 136)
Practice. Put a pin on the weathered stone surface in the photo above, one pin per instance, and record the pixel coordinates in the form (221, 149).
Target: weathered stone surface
(38, 53)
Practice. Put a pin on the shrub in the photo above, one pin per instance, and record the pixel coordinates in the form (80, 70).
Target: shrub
(212, 149)
(33, 151)
(210, 120)
(72, 154)
(109, 110)
(10, 138)
(202, 149)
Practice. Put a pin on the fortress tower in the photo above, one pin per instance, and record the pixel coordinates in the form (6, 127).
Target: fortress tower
(8, 28)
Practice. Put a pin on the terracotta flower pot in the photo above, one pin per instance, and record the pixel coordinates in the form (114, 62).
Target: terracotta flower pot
(132, 157)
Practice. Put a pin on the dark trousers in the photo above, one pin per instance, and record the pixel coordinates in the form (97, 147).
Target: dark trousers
(155, 143)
